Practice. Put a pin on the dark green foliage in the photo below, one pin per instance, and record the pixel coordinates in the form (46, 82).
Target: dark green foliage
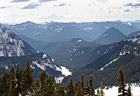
(60, 90)
(121, 79)
(92, 92)
(129, 91)
(27, 78)
(70, 88)
(5, 83)
(86, 88)
(79, 90)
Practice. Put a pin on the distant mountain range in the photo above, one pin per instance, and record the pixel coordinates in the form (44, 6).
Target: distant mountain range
(14, 50)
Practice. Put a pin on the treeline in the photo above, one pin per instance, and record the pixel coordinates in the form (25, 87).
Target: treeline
(20, 82)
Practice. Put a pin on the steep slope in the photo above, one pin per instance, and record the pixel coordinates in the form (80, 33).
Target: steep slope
(126, 53)
(110, 36)
(12, 45)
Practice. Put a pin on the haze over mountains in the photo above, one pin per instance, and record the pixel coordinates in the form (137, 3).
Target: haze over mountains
(93, 48)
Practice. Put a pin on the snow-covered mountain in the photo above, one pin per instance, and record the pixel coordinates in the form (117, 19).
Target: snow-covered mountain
(14, 50)
(12, 45)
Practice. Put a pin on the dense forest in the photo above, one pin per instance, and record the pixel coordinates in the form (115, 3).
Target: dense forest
(20, 82)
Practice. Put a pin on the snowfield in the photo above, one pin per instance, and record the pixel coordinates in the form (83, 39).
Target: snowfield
(135, 89)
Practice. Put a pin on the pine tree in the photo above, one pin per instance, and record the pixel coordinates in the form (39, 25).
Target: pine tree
(60, 90)
(79, 90)
(5, 83)
(70, 88)
(42, 76)
(48, 87)
(92, 92)
(12, 83)
(101, 89)
(36, 87)
(121, 90)
(27, 78)
(18, 80)
(129, 91)
(82, 84)
(87, 89)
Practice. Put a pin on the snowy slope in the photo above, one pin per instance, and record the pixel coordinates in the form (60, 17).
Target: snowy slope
(12, 45)
(135, 89)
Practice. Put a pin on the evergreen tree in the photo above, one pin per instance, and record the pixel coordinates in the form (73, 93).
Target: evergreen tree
(87, 89)
(92, 92)
(101, 89)
(60, 90)
(5, 83)
(122, 91)
(48, 87)
(12, 83)
(79, 90)
(36, 87)
(82, 84)
(27, 78)
(70, 88)
(18, 80)
(129, 91)
(42, 76)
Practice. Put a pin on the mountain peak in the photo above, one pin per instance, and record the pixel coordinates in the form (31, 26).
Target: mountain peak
(110, 36)
(113, 30)
(12, 45)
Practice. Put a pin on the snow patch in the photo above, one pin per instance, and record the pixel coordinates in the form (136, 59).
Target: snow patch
(79, 41)
(44, 56)
(59, 79)
(104, 35)
(88, 28)
(109, 63)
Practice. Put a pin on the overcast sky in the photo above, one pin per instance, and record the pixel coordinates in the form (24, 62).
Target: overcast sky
(17, 11)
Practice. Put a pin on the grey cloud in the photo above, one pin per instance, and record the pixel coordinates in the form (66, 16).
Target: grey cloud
(31, 6)
(133, 5)
(127, 10)
(60, 5)
(46, 0)
(20, 0)
(2, 7)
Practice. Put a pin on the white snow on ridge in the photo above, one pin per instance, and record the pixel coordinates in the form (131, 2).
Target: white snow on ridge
(65, 71)
(104, 35)
(59, 29)
(109, 63)
(79, 41)
(130, 24)
(88, 28)
(44, 56)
